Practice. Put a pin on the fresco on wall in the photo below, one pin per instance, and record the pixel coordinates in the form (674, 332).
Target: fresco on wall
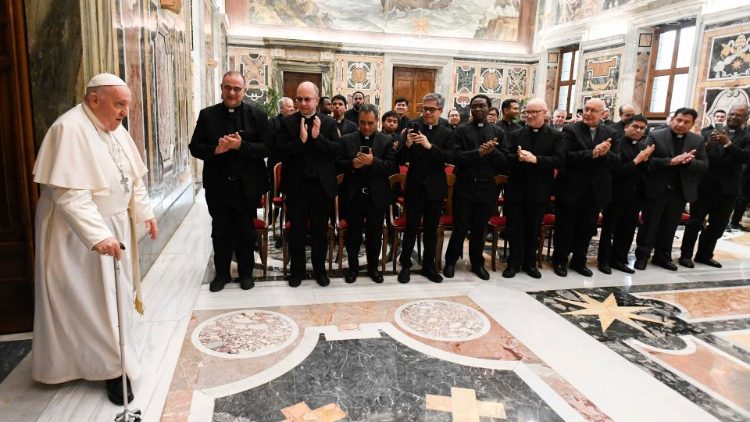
(556, 12)
(473, 19)
(730, 57)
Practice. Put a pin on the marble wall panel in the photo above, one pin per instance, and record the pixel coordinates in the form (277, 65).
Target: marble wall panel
(354, 72)
(600, 77)
(498, 80)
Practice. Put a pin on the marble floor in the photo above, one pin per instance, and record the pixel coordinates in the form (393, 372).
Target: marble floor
(657, 345)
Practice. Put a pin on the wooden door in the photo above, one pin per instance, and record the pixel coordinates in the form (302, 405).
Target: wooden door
(413, 84)
(17, 195)
(293, 79)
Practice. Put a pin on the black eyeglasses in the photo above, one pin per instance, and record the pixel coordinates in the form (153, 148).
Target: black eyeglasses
(429, 109)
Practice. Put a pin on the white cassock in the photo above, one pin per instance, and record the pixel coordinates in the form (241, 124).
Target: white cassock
(82, 203)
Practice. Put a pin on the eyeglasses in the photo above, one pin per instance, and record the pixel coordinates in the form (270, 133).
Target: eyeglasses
(429, 109)
(533, 112)
(305, 99)
(235, 89)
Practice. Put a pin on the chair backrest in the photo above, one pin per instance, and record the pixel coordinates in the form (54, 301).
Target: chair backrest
(449, 168)
(399, 178)
(276, 178)
(501, 179)
(403, 168)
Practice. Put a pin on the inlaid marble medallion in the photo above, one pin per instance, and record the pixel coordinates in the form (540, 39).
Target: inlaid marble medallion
(245, 334)
(442, 321)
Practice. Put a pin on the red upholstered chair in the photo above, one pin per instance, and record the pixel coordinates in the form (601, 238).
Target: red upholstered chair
(548, 227)
(398, 223)
(277, 203)
(261, 232)
(497, 223)
(446, 220)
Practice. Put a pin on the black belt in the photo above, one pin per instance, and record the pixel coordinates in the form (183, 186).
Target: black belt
(364, 191)
(478, 179)
(233, 179)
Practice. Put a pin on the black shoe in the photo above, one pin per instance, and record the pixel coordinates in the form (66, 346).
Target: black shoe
(247, 282)
(509, 272)
(560, 270)
(217, 284)
(404, 275)
(322, 279)
(686, 262)
(622, 267)
(375, 275)
(481, 272)
(351, 276)
(433, 276)
(708, 261)
(606, 269)
(295, 280)
(582, 270)
(729, 228)
(640, 264)
(449, 270)
(278, 243)
(114, 391)
(667, 265)
(533, 272)
(737, 226)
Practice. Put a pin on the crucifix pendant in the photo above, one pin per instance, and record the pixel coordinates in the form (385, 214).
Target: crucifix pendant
(124, 182)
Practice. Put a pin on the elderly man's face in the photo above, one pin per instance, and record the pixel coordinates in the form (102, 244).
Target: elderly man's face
(536, 114)
(592, 113)
(232, 90)
(287, 108)
(627, 113)
(558, 119)
(110, 105)
(737, 116)
(307, 100)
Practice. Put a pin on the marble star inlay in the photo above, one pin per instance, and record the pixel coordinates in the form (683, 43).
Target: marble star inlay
(608, 311)
(464, 406)
(301, 412)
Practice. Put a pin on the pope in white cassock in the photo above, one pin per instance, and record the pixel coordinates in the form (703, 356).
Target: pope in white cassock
(92, 195)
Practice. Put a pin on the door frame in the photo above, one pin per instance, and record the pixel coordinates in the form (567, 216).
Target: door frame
(442, 69)
(324, 68)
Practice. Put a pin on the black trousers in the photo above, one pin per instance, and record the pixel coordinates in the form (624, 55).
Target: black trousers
(362, 213)
(420, 208)
(232, 228)
(308, 210)
(619, 221)
(740, 206)
(718, 207)
(660, 219)
(524, 221)
(471, 215)
(575, 224)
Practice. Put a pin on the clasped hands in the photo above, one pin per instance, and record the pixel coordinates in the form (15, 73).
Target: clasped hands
(487, 147)
(227, 142)
(303, 129)
(419, 139)
(684, 158)
(526, 156)
(602, 148)
(111, 246)
(644, 154)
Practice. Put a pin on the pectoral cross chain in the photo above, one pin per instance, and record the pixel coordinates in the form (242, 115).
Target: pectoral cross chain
(124, 182)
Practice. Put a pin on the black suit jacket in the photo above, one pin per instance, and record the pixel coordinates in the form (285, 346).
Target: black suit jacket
(725, 164)
(658, 163)
(347, 127)
(581, 171)
(427, 167)
(383, 165)
(325, 150)
(629, 178)
(256, 145)
(468, 138)
(352, 115)
(527, 182)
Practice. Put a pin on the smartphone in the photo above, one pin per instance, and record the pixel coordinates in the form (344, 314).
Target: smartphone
(719, 127)
(413, 126)
(364, 149)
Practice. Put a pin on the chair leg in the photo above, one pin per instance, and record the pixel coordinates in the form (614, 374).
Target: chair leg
(342, 235)
(394, 249)
(494, 249)
(384, 258)
(285, 251)
(540, 250)
(419, 247)
(330, 249)
(439, 249)
(264, 251)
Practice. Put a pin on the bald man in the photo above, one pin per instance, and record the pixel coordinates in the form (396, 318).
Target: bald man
(535, 151)
(308, 148)
(584, 186)
(627, 111)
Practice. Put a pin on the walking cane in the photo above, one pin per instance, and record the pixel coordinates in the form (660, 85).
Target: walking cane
(126, 415)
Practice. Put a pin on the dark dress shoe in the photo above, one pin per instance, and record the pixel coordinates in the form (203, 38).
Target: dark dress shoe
(606, 269)
(247, 282)
(431, 275)
(375, 275)
(667, 265)
(560, 270)
(404, 275)
(709, 261)
(640, 264)
(686, 262)
(217, 284)
(481, 272)
(740, 227)
(619, 266)
(322, 279)
(533, 272)
(351, 276)
(582, 270)
(295, 280)
(449, 270)
(509, 272)
(114, 391)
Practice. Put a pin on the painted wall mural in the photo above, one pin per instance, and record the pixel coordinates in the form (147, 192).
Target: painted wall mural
(496, 20)
(730, 57)
(556, 12)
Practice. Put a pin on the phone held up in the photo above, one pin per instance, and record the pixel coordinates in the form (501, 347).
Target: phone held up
(364, 149)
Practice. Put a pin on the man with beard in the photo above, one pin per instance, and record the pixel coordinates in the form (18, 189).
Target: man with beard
(338, 108)
(510, 111)
(535, 151)
(620, 217)
(369, 159)
(428, 147)
(675, 167)
(584, 187)
(727, 150)
(478, 160)
(308, 148)
(358, 98)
